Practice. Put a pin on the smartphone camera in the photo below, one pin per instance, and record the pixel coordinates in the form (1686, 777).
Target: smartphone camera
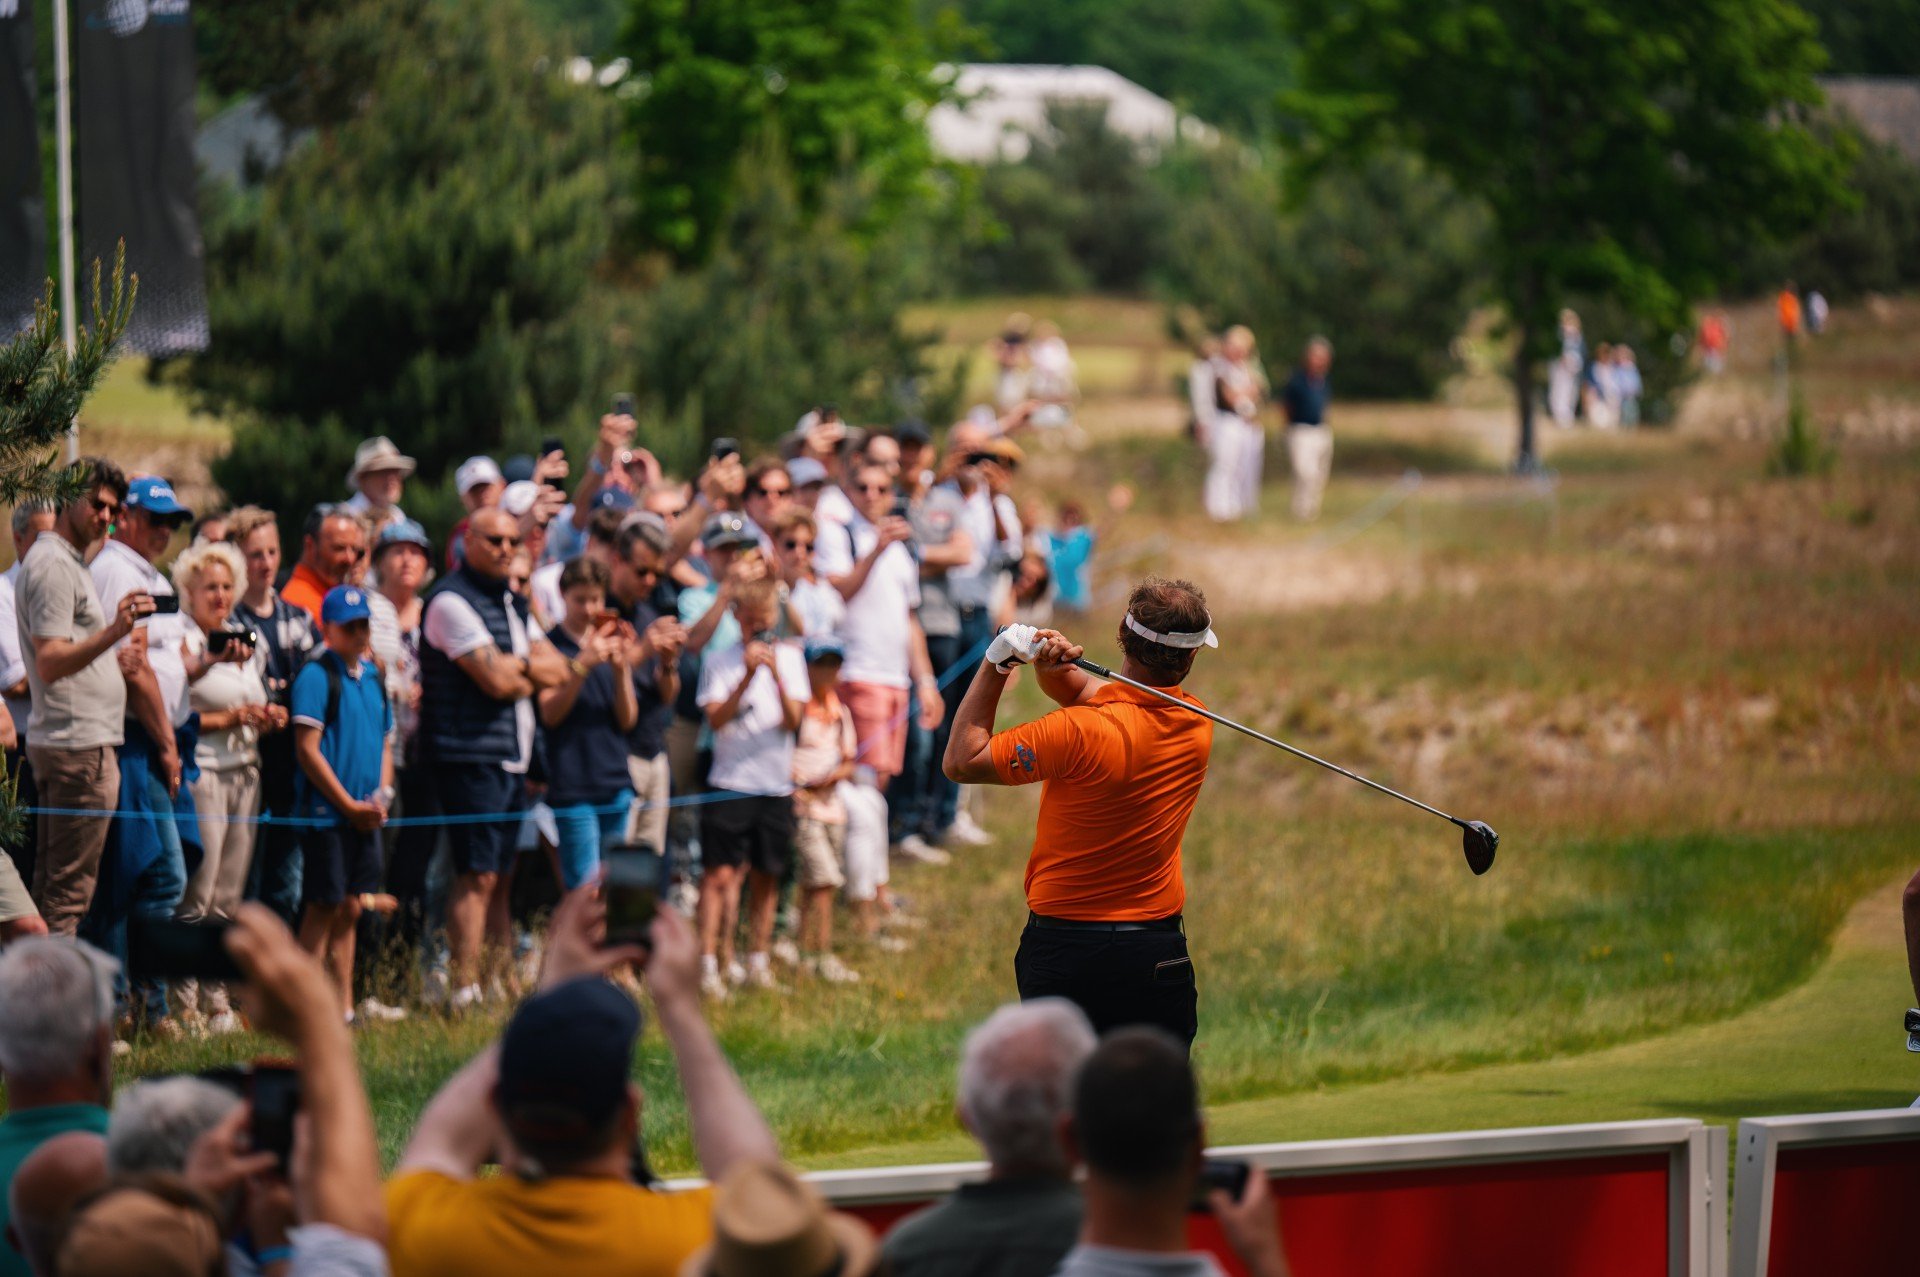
(221, 640)
(623, 405)
(166, 604)
(724, 448)
(273, 1093)
(169, 949)
(633, 878)
(1230, 1177)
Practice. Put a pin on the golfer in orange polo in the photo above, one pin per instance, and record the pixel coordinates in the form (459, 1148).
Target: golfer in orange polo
(1121, 772)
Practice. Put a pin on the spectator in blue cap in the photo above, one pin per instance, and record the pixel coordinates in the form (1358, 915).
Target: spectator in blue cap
(144, 870)
(554, 1102)
(341, 721)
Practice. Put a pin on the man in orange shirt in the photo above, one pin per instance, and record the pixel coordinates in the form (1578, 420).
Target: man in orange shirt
(335, 540)
(1121, 770)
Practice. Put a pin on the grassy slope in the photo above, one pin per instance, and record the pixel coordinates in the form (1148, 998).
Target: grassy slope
(1689, 721)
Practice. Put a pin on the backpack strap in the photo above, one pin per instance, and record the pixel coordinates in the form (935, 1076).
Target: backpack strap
(334, 688)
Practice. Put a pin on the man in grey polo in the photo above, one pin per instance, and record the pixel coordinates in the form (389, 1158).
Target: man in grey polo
(79, 699)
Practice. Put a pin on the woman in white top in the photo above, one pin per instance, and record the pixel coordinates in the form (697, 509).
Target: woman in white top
(225, 688)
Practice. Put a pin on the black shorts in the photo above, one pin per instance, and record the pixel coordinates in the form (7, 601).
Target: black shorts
(1116, 977)
(477, 790)
(339, 862)
(755, 832)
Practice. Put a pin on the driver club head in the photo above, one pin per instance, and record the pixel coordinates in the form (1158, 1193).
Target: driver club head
(1479, 840)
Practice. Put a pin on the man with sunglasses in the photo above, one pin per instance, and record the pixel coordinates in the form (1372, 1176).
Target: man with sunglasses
(480, 666)
(79, 698)
(334, 541)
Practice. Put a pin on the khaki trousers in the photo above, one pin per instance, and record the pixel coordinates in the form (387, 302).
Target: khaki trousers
(69, 846)
(652, 788)
(227, 802)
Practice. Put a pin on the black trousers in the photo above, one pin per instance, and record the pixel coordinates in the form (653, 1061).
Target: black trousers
(1116, 977)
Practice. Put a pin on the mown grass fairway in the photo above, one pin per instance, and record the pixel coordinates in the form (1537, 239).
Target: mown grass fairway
(1687, 696)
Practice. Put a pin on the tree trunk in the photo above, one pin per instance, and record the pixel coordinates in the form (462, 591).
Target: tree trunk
(1528, 461)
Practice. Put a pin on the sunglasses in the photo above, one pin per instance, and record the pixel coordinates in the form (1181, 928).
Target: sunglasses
(874, 487)
(502, 542)
(798, 545)
(773, 492)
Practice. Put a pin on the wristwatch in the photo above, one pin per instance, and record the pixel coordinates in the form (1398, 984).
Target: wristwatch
(578, 666)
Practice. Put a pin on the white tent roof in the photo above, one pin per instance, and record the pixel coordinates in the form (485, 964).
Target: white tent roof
(1002, 106)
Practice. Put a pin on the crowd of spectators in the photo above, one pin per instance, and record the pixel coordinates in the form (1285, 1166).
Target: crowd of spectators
(532, 1157)
(406, 749)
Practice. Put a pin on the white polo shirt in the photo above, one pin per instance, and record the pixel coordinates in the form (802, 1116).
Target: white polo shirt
(118, 570)
(877, 629)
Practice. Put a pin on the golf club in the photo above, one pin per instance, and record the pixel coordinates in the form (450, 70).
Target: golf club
(1478, 840)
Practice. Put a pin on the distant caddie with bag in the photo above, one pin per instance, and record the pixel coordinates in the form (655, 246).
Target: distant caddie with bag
(1122, 771)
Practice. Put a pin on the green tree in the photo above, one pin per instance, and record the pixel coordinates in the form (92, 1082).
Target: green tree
(1083, 208)
(1870, 244)
(425, 267)
(1869, 37)
(847, 83)
(1382, 257)
(1626, 148)
(42, 388)
(789, 311)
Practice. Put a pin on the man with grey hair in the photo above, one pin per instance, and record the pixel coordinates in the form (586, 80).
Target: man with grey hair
(154, 1125)
(56, 1053)
(1016, 1087)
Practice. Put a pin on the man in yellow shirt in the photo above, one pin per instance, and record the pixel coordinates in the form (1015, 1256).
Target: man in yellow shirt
(554, 1101)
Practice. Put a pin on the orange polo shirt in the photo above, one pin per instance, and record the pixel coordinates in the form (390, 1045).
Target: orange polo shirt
(1121, 774)
(306, 589)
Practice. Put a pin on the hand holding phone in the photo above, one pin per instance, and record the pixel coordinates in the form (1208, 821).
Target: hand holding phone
(633, 877)
(170, 949)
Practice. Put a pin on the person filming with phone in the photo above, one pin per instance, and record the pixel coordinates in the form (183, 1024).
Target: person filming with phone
(79, 699)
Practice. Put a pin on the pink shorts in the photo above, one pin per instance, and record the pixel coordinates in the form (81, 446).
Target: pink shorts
(879, 724)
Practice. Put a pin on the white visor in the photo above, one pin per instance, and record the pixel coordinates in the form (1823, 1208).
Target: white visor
(1203, 639)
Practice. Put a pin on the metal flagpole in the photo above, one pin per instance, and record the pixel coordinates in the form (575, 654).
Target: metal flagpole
(63, 145)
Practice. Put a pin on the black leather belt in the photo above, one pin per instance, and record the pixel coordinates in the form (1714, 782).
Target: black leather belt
(1077, 924)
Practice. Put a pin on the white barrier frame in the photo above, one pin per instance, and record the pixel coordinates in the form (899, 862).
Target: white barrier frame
(1697, 1167)
(1762, 1138)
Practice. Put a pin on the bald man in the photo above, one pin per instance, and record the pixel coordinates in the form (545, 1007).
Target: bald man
(52, 1180)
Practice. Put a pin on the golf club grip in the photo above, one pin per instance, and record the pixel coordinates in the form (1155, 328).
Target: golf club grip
(1101, 671)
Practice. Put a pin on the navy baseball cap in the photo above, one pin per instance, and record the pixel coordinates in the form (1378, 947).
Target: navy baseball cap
(565, 1059)
(611, 498)
(824, 647)
(727, 530)
(155, 495)
(345, 603)
(913, 432)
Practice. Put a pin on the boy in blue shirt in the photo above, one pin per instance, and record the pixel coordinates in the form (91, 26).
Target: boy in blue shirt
(341, 722)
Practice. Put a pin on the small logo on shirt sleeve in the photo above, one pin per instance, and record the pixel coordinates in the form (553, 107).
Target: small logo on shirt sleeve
(1023, 755)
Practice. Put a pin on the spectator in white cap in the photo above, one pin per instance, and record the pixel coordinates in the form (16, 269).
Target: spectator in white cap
(480, 485)
(809, 479)
(380, 471)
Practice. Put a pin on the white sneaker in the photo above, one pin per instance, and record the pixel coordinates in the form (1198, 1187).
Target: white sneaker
(466, 996)
(736, 972)
(380, 1013)
(786, 952)
(761, 977)
(713, 987)
(967, 830)
(829, 968)
(222, 1023)
(121, 1047)
(914, 847)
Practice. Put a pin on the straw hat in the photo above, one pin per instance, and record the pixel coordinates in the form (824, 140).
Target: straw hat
(768, 1222)
(378, 453)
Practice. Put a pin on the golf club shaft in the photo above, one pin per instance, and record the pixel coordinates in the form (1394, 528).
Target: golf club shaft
(1101, 671)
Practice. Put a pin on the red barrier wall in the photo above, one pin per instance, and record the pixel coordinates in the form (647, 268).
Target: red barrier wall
(1584, 1217)
(1850, 1208)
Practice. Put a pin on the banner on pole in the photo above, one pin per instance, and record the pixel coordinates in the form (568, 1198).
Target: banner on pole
(23, 210)
(133, 103)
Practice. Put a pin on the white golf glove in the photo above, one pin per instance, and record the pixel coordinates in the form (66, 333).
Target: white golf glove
(1012, 646)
